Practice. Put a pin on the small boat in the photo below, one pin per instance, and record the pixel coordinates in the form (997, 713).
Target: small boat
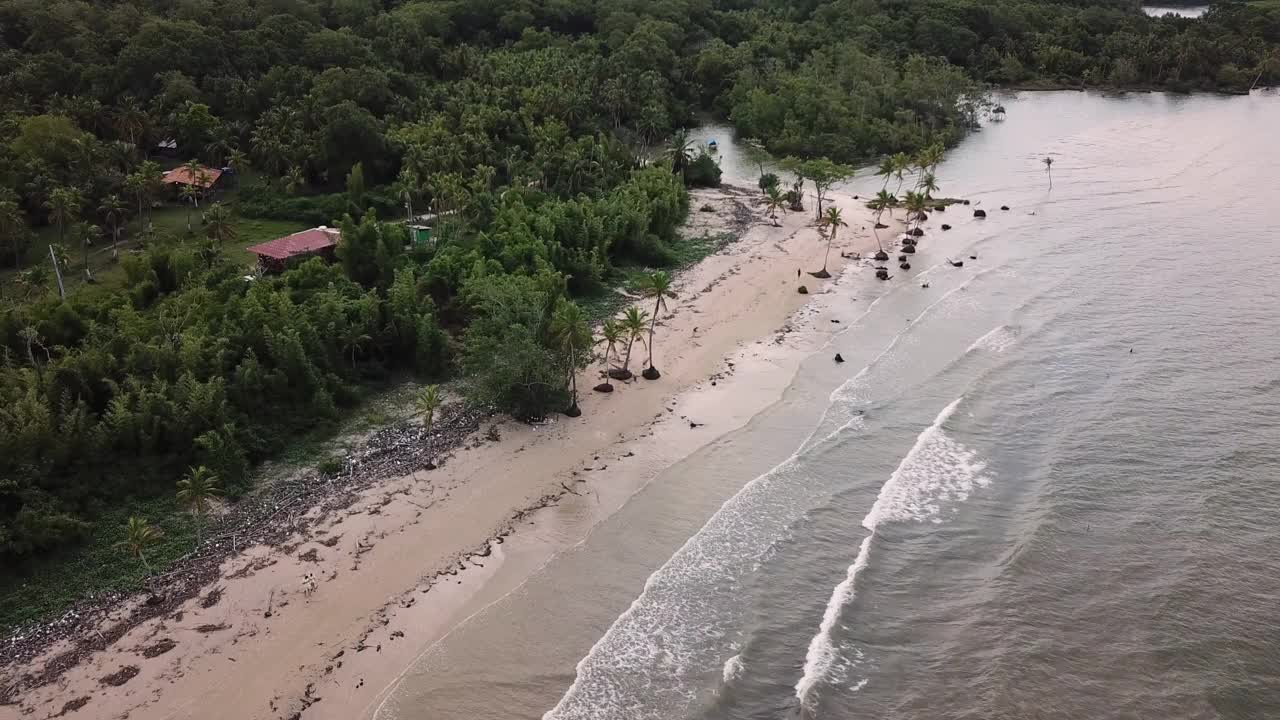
(712, 145)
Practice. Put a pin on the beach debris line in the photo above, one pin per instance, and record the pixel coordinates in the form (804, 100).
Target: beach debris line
(393, 451)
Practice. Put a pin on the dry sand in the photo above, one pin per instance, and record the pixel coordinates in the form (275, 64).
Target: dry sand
(418, 554)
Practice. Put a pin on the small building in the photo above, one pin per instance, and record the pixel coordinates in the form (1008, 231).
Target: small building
(277, 255)
(206, 178)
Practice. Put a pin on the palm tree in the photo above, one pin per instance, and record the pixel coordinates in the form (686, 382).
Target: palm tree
(901, 163)
(218, 224)
(85, 233)
(886, 169)
(610, 336)
(680, 152)
(427, 402)
(64, 204)
(189, 193)
(832, 221)
(634, 321)
(915, 205)
(928, 185)
(1048, 168)
(570, 331)
(405, 186)
(112, 210)
(774, 200)
(140, 535)
(656, 285)
(294, 180)
(881, 202)
(196, 492)
(130, 120)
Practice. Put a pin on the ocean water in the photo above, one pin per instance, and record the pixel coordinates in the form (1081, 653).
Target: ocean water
(1045, 486)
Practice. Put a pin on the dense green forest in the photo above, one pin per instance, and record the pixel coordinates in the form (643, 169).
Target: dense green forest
(540, 130)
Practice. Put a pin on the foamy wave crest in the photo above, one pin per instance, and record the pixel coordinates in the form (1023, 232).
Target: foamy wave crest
(732, 668)
(650, 663)
(936, 470)
(997, 341)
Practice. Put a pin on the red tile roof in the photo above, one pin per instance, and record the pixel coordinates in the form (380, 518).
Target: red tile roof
(179, 176)
(307, 241)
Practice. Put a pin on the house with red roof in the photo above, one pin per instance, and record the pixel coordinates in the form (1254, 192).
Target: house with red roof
(278, 254)
(205, 178)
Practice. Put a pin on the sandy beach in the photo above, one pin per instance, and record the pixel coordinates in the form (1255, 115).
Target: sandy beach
(416, 555)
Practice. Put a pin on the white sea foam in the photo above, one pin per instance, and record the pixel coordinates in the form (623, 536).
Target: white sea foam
(937, 469)
(997, 341)
(732, 668)
(648, 664)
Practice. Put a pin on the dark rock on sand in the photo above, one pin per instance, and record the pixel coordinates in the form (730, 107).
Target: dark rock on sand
(881, 226)
(802, 290)
(881, 256)
(904, 265)
(821, 274)
(620, 374)
(604, 388)
(909, 249)
(939, 208)
(946, 226)
(979, 213)
(651, 373)
(838, 358)
(573, 411)
(917, 232)
(1004, 207)
(966, 202)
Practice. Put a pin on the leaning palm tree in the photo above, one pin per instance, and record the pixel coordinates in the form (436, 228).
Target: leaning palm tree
(1048, 168)
(656, 285)
(610, 336)
(571, 333)
(774, 200)
(901, 163)
(218, 224)
(832, 222)
(140, 535)
(881, 202)
(887, 168)
(196, 492)
(427, 402)
(634, 322)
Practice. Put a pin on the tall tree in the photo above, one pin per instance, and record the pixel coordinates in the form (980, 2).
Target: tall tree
(427, 402)
(634, 323)
(823, 174)
(572, 335)
(656, 285)
(64, 207)
(610, 336)
(112, 211)
(140, 535)
(831, 222)
(196, 492)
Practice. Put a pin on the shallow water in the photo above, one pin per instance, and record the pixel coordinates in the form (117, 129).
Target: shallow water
(1045, 486)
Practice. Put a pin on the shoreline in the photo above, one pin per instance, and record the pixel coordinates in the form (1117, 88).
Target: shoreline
(392, 564)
